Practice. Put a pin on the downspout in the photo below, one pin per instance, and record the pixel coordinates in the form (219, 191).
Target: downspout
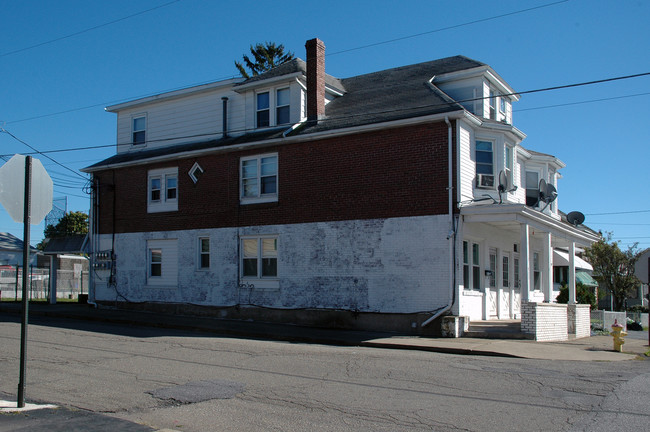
(451, 237)
(224, 119)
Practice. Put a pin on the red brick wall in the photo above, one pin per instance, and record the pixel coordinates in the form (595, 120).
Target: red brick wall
(394, 173)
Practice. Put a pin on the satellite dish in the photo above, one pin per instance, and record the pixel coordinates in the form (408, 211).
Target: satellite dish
(542, 190)
(503, 181)
(575, 218)
(551, 193)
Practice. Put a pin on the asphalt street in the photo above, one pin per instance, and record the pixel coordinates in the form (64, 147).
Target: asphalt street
(162, 378)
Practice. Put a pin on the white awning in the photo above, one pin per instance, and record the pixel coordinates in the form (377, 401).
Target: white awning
(561, 258)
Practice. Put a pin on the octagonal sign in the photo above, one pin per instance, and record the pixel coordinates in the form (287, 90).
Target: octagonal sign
(12, 190)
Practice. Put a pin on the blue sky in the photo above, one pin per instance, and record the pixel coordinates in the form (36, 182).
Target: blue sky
(62, 62)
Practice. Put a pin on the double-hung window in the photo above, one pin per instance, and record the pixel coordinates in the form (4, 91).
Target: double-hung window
(263, 109)
(155, 263)
(259, 257)
(162, 190)
(259, 179)
(471, 266)
(532, 188)
(282, 106)
(484, 164)
(162, 262)
(139, 128)
(273, 107)
(204, 252)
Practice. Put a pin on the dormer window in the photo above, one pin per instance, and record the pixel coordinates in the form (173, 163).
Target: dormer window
(263, 109)
(273, 107)
(139, 127)
(282, 106)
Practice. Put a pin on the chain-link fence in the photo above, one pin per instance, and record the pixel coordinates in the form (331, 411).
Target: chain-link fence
(69, 283)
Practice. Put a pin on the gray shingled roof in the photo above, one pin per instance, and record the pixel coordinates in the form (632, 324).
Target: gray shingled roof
(388, 95)
(9, 242)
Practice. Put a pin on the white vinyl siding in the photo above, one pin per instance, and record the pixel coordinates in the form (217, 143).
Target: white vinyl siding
(191, 118)
(467, 167)
(162, 263)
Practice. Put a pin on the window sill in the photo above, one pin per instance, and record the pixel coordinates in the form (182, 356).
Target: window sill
(261, 284)
(261, 200)
(153, 285)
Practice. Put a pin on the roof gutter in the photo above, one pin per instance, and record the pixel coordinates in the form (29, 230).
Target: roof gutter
(281, 141)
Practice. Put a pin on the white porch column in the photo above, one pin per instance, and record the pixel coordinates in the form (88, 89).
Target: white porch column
(572, 273)
(524, 263)
(548, 267)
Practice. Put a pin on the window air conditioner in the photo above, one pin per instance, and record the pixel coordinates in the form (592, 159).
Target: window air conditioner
(485, 181)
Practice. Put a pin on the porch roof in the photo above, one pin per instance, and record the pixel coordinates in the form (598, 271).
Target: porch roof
(510, 217)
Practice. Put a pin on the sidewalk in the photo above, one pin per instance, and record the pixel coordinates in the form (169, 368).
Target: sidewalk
(595, 348)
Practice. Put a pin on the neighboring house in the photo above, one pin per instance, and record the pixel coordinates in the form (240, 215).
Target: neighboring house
(11, 257)
(365, 202)
(11, 251)
(583, 272)
(67, 259)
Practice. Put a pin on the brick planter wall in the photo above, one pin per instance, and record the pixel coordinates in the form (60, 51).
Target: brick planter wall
(545, 321)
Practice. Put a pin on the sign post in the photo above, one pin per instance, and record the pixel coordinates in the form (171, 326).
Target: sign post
(22, 208)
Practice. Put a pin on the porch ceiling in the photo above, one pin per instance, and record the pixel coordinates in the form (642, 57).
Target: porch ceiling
(510, 217)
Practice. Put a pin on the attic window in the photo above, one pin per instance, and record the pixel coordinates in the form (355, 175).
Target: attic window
(195, 172)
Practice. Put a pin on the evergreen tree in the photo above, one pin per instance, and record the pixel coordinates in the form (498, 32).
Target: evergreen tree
(263, 57)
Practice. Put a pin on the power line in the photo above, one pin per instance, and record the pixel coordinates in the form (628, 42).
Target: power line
(617, 213)
(329, 54)
(87, 30)
(23, 142)
(446, 28)
(451, 102)
(581, 102)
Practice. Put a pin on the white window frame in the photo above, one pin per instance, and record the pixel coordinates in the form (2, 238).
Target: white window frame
(165, 203)
(151, 263)
(539, 176)
(259, 197)
(492, 164)
(471, 266)
(201, 253)
(134, 131)
(273, 105)
(259, 280)
(167, 250)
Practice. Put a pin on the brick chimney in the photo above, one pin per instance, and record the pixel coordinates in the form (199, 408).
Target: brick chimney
(315, 79)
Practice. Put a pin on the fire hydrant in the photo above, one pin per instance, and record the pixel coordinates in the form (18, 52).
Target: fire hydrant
(618, 334)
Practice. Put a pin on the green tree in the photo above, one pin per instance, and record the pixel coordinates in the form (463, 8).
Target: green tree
(614, 268)
(263, 57)
(71, 223)
(584, 295)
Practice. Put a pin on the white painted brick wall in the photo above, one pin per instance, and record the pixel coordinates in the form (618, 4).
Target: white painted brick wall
(398, 265)
(546, 321)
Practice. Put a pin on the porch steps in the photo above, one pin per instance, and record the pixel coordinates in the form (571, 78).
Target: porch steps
(496, 329)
